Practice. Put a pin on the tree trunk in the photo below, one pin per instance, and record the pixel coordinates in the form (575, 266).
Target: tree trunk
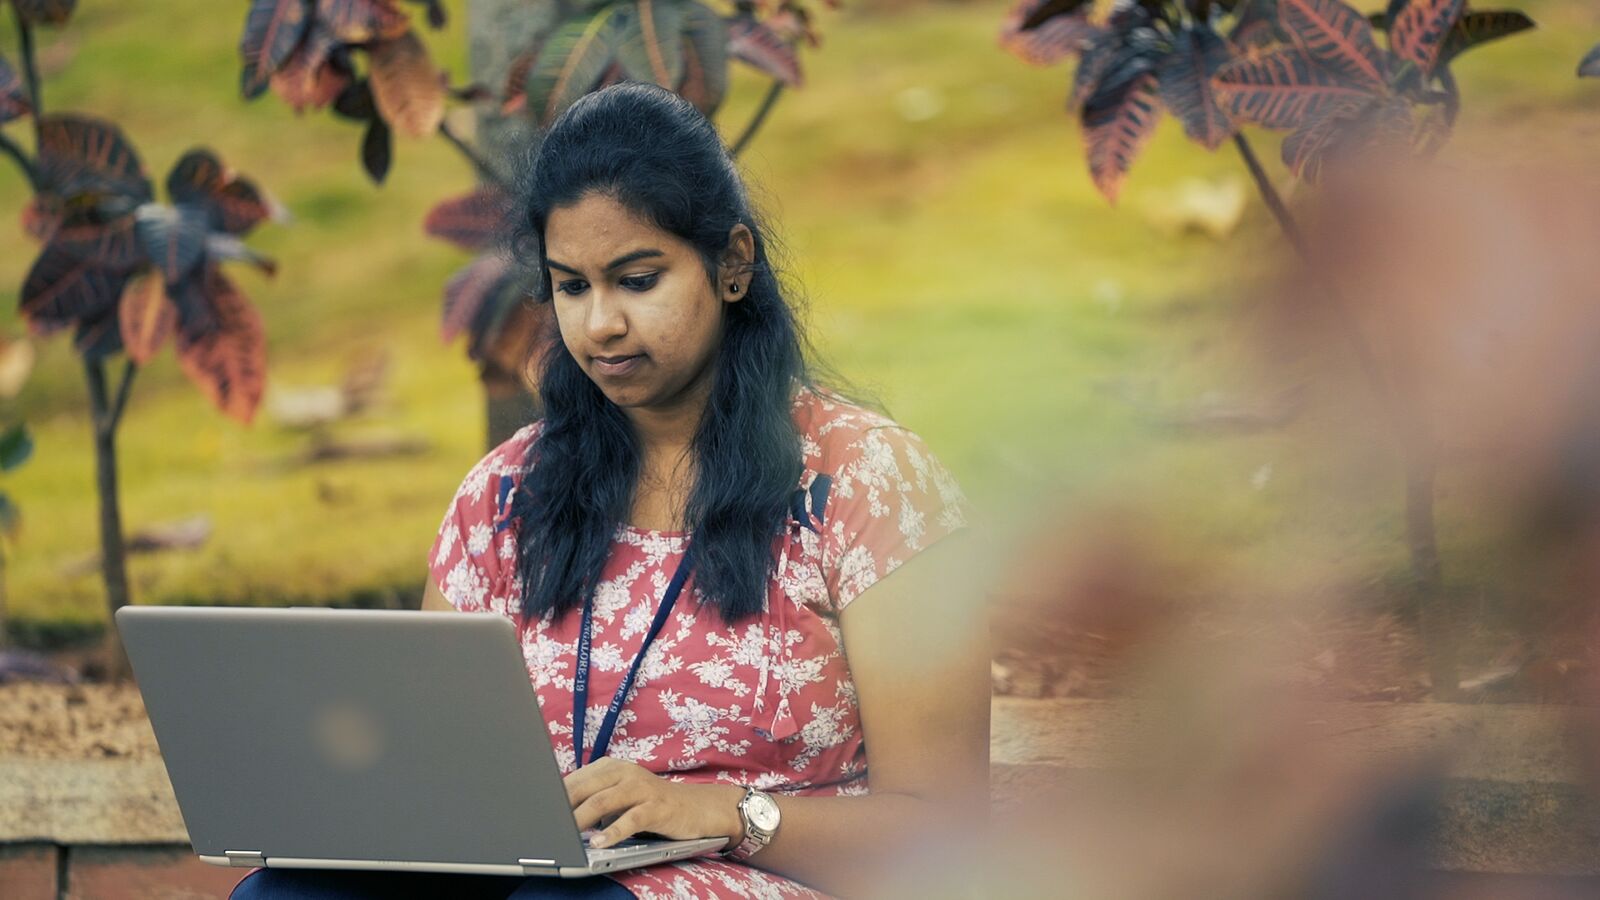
(498, 31)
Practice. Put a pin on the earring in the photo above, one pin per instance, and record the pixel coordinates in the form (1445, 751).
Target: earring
(733, 288)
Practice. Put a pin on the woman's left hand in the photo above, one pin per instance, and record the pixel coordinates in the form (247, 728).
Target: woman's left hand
(644, 801)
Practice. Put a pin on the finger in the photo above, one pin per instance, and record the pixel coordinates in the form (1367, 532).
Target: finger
(639, 818)
(607, 802)
(590, 780)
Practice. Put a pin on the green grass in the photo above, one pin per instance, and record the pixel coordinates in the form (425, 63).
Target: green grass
(962, 267)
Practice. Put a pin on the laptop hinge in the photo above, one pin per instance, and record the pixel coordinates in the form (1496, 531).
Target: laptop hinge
(539, 867)
(245, 857)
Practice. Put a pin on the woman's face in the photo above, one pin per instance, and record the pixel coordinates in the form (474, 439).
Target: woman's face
(633, 302)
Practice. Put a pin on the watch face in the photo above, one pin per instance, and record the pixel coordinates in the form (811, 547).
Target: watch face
(763, 812)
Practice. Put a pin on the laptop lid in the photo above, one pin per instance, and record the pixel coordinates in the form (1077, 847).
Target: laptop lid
(351, 734)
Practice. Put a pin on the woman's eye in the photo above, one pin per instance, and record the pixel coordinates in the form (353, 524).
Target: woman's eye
(640, 282)
(570, 287)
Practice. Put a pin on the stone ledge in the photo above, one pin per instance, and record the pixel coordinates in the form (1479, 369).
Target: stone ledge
(1513, 798)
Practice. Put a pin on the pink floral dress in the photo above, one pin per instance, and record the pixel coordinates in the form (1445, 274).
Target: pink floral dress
(767, 702)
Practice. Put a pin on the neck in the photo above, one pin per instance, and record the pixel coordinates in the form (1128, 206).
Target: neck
(668, 431)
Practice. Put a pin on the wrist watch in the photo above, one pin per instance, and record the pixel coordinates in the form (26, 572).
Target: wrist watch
(760, 815)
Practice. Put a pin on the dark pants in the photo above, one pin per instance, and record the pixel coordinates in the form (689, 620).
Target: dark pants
(329, 884)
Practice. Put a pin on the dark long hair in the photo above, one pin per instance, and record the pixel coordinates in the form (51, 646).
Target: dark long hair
(655, 154)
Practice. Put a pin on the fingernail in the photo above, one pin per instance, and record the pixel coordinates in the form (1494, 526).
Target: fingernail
(598, 840)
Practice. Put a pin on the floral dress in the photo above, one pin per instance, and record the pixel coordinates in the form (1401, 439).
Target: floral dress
(767, 702)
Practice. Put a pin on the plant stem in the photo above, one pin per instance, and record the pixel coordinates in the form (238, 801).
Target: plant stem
(30, 65)
(760, 117)
(1417, 451)
(129, 369)
(485, 171)
(11, 149)
(113, 553)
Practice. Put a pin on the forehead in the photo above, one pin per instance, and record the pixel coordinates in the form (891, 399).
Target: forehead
(596, 229)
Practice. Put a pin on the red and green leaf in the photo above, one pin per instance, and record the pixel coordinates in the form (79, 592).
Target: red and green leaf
(173, 238)
(45, 12)
(472, 222)
(408, 90)
(232, 203)
(761, 48)
(1337, 37)
(1481, 27)
(467, 291)
(1282, 89)
(362, 21)
(227, 356)
(147, 318)
(1117, 122)
(1380, 125)
(571, 62)
(705, 58)
(1590, 66)
(309, 78)
(1185, 75)
(1042, 11)
(112, 245)
(98, 337)
(649, 43)
(62, 288)
(82, 155)
(272, 30)
(1421, 29)
(1051, 41)
(13, 94)
(1256, 25)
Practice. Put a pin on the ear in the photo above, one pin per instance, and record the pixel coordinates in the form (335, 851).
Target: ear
(736, 263)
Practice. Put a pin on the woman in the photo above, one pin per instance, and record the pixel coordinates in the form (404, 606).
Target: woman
(681, 415)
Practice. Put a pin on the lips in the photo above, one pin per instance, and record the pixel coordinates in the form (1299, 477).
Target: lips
(617, 365)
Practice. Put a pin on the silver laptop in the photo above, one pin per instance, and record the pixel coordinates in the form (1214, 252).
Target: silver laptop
(361, 739)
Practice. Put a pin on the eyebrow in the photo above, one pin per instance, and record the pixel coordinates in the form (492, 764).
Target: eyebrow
(617, 263)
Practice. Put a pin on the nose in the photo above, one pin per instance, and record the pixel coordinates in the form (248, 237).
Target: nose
(604, 319)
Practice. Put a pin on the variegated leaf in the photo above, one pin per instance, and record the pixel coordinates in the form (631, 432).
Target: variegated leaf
(1053, 40)
(147, 318)
(362, 21)
(408, 90)
(310, 77)
(377, 150)
(467, 291)
(173, 237)
(1117, 122)
(1185, 77)
(62, 288)
(45, 12)
(649, 42)
(272, 30)
(705, 58)
(88, 158)
(227, 357)
(1480, 27)
(758, 46)
(570, 63)
(1042, 11)
(1590, 66)
(99, 337)
(13, 94)
(1421, 29)
(1337, 37)
(1282, 89)
(233, 204)
(472, 222)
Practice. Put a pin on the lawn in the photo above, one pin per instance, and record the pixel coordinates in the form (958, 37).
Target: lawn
(933, 198)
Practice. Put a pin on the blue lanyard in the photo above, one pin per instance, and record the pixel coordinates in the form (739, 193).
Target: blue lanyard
(580, 681)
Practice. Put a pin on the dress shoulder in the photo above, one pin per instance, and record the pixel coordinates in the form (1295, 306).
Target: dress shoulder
(472, 557)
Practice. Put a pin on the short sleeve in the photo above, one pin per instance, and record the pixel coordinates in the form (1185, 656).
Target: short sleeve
(474, 554)
(890, 499)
